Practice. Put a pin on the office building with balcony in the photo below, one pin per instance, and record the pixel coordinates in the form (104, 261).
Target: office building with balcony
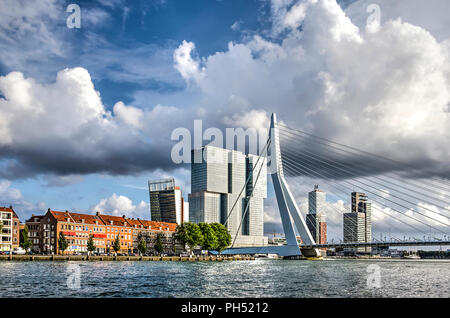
(218, 177)
(10, 233)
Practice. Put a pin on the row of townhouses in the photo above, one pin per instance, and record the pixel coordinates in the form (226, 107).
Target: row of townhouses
(44, 231)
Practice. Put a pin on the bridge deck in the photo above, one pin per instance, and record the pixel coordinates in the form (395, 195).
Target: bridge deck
(286, 250)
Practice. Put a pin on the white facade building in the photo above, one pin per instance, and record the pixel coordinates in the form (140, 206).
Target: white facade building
(217, 178)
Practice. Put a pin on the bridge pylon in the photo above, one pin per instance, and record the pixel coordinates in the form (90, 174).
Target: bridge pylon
(287, 206)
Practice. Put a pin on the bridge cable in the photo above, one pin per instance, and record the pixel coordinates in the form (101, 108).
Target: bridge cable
(380, 190)
(361, 151)
(303, 150)
(294, 174)
(291, 134)
(384, 198)
(320, 175)
(249, 197)
(247, 181)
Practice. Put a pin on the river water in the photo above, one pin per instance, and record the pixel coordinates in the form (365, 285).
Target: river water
(258, 278)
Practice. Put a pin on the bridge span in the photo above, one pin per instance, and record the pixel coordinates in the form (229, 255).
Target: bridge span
(287, 250)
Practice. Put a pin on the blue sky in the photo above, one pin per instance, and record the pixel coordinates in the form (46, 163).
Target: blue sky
(148, 30)
(66, 148)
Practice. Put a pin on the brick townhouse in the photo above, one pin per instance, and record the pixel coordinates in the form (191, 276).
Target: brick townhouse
(45, 230)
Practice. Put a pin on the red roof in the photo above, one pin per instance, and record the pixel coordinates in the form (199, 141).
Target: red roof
(86, 218)
(61, 216)
(134, 223)
(105, 219)
(113, 220)
(155, 225)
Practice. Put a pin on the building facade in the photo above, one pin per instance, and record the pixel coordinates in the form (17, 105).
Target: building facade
(358, 223)
(10, 233)
(218, 177)
(315, 219)
(166, 202)
(45, 230)
(34, 232)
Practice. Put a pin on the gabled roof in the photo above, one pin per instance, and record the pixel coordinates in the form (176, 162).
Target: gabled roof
(155, 225)
(31, 219)
(87, 218)
(104, 219)
(134, 223)
(61, 216)
(113, 220)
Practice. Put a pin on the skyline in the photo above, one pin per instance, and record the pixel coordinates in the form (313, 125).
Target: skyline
(136, 71)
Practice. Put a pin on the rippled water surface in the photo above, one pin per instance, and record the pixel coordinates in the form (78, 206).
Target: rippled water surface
(259, 278)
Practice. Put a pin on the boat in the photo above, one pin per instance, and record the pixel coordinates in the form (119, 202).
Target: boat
(411, 256)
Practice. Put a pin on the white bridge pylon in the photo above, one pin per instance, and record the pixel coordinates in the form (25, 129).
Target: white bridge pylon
(289, 211)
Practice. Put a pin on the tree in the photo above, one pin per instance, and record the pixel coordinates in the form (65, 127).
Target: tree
(189, 233)
(142, 247)
(25, 241)
(158, 244)
(181, 234)
(210, 241)
(62, 242)
(116, 244)
(174, 247)
(223, 236)
(90, 244)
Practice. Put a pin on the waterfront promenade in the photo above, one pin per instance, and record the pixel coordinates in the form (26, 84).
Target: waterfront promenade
(123, 258)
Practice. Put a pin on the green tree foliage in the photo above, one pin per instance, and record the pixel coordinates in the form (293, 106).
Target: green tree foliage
(181, 234)
(189, 234)
(223, 236)
(25, 239)
(90, 244)
(210, 241)
(174, 247)
(62, 242)
(142, 247)
(158, 244)
(116, 244)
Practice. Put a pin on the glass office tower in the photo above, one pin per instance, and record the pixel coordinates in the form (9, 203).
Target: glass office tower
(217, 178)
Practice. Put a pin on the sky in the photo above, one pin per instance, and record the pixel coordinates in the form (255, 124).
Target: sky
(86, 114)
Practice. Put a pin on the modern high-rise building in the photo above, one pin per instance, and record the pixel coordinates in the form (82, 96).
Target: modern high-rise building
(166, 202)
(315, 219)
(218, 177)
(358, 223)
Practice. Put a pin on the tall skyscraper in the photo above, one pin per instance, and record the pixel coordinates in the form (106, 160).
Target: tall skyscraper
(358, 223)
(315, 219)
(217, 178)
(166, 201)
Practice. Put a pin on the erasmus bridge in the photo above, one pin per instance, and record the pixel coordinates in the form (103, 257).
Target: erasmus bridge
(292, 154)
